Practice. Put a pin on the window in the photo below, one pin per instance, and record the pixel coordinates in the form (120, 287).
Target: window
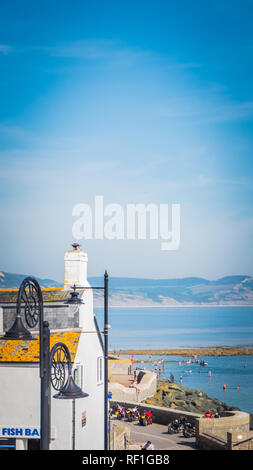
(100, 370)
(78, 375)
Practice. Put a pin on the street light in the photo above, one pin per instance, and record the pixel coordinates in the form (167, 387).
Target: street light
(74, 299)
(62, 379)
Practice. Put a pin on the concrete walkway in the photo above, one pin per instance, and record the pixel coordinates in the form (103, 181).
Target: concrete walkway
(122, 379)
(158, 435)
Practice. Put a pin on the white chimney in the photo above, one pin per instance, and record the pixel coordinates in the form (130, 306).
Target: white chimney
(75, 267)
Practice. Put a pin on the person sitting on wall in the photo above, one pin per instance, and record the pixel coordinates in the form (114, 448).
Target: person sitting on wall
(148, 446)
(208, 414)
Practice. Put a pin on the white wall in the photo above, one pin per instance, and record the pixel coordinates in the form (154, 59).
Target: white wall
(20, 391)
(20, 403)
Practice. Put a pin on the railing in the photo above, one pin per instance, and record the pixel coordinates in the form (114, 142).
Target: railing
(210, 441)
(243, 442)
(216, 438)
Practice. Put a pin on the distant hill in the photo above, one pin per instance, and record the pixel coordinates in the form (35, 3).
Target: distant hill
(10, 280)
(141, 292)
(229, 290)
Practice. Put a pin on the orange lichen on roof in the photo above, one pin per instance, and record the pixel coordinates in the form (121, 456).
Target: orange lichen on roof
(28, 351)
(118, 359)
(8, 290)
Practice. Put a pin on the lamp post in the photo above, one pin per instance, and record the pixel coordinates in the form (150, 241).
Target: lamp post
(74, 299)
(106, 327)
(62, 379)
(45, 395)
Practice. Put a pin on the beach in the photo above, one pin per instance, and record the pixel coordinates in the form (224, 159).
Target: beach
(211, 351)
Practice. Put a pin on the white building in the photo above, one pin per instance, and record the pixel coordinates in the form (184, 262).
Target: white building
(75, 424)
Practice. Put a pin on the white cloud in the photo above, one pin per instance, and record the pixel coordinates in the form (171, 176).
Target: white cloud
(95, 50)
(206, 110)
(186, 65)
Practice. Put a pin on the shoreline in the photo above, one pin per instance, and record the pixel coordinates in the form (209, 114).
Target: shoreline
(124, 306)
(189, 352)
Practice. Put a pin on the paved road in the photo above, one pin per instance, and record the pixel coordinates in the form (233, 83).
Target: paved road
(158, 435)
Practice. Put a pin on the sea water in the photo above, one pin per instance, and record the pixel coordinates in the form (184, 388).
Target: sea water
(191, 327)
(179, 327)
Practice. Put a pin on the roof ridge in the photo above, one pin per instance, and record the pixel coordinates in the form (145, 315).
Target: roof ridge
(15, 289)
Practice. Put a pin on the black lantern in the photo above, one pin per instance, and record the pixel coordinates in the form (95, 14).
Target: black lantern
(74, 297)
(61, 374)
(71, 391)
(18, 331)
(29, 298)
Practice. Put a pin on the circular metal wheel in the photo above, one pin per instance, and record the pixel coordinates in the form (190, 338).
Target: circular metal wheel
(60, 364)
(30, 298)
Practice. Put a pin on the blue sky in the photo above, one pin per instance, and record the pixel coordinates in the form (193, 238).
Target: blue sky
(141, 102)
